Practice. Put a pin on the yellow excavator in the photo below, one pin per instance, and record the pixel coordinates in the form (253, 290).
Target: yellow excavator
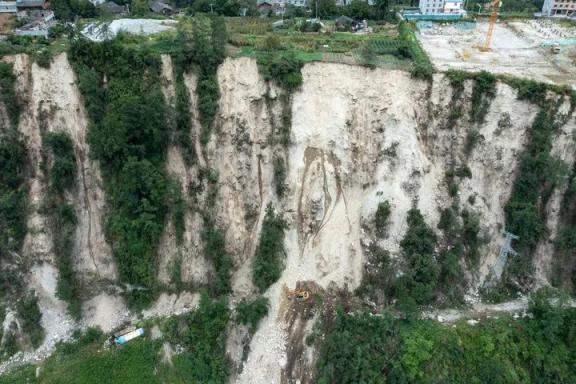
(298, 294)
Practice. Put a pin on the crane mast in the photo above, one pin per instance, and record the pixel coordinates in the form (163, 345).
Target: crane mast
(491, 25)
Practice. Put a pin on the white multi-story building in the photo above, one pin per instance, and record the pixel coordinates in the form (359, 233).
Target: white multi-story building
(559, 8)
(284, 3)
(431, 7)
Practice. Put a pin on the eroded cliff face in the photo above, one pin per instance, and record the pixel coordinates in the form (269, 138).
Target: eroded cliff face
(358, 137)
(362, 136)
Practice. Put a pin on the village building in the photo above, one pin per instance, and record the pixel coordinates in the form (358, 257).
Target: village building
(559, 8)
(436, 7)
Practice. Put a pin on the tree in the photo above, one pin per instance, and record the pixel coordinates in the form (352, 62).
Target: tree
(294, 11)
(139, 7)
(68, 9)
(359, 9)
(323, 8)
(381, 9)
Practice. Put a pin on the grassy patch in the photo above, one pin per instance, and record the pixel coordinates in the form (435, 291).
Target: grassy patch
(86, 361)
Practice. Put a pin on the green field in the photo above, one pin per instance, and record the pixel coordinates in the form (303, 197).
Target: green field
(134, 363)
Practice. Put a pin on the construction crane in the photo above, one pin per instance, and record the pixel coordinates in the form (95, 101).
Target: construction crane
(493, 17)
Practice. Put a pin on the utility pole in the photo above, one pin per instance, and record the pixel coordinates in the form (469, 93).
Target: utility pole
(497, 268)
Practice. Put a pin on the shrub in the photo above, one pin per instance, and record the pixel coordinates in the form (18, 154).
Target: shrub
(473, 137)
(470, 236)
(531, 90)
(282, 68)
(204, 48)
(448, 221)
(175, 273)
(279, 175)
(250, 313)
(421, 272)
(138, 221)
(272, 43)
(63, 169)
(183, 119)
(177, 208)
(30, 317)
(268, 260)
(43, 58)
(379, 277)
(204, 339)
(463, 171)
(67, 287)
(368, 55)
(215, 251)
(452, 187)
(381, 218)
(483, 92)
(13, 194)
(8, 95)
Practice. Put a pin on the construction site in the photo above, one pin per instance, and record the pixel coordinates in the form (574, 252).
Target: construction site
(542, 50)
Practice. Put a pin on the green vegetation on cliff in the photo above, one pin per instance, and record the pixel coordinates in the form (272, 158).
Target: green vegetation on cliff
(62, 179)
(269, 258)
(14, 168)
(128, 135)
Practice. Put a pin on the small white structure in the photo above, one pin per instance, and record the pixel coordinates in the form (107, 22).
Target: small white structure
(559, 8)
(432, 7)
(283, 3)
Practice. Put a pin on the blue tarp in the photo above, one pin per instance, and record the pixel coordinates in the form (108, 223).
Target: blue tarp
(424, 24)
(437, 16)
(561, 42)
(466, 26)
